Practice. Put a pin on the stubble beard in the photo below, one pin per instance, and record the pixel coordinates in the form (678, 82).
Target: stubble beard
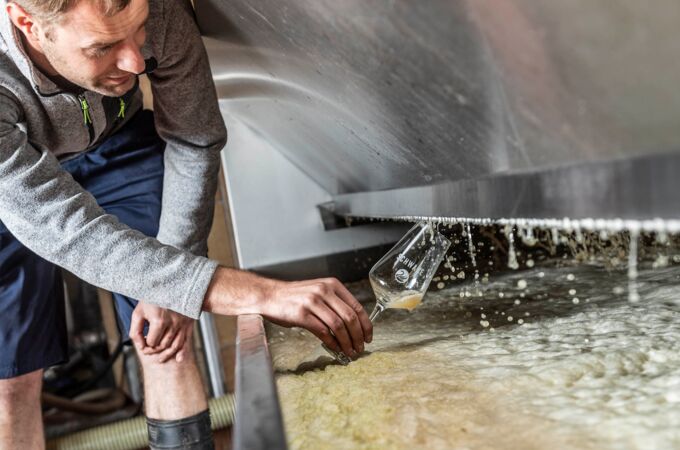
(62, 67)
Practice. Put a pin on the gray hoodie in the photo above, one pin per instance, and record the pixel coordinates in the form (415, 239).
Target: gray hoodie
(52, 215)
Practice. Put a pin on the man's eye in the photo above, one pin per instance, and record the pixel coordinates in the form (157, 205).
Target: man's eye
(99, 51)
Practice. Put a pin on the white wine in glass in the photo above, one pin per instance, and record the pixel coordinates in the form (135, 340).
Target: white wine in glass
(401, 277)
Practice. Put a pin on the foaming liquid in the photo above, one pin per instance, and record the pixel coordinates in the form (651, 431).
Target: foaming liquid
(494, 372)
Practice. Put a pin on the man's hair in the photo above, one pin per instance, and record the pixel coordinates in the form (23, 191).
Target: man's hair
(52, 9)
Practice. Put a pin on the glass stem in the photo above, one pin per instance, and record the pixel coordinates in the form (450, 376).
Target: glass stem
(377, 310)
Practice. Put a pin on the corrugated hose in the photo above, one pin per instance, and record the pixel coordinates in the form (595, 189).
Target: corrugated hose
(131, 434)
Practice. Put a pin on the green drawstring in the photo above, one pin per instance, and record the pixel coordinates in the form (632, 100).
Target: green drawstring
(86, 110)
(121, 111)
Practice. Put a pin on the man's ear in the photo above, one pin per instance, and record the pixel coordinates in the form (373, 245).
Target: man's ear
(26, 24)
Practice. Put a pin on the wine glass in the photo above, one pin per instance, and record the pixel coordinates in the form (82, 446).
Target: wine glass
(401, 277)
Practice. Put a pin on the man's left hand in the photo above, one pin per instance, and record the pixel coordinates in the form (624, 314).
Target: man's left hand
(169, 333)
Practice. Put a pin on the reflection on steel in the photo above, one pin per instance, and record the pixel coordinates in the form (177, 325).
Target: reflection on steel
(366, 96)
(637, 188)
(213, 359)
(258, 424)
(329, 98)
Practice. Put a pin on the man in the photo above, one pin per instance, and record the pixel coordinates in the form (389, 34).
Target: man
(123, 199)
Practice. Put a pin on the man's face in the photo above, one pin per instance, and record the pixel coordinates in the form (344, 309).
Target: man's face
(97, 52)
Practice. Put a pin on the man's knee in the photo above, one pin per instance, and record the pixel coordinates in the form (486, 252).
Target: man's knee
(24, 388)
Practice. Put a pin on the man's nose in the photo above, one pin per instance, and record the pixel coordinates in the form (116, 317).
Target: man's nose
(130, 59)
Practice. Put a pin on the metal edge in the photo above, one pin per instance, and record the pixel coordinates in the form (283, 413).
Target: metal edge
(258, 424)
(635, 188)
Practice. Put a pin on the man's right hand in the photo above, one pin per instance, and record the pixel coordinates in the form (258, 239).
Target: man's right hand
(323, 306)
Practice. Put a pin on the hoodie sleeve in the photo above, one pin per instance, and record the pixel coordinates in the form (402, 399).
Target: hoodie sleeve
(52, 215)
(189, 121)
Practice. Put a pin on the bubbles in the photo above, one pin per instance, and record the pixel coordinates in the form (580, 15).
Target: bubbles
(572, 292)
(555, 225)
(660, 261)
(522, 284)
(441, 285)
(571, 277)
(575, 300)
(484, 323)
(530, 263)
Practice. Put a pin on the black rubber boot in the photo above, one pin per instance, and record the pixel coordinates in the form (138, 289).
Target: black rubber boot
(190, 433)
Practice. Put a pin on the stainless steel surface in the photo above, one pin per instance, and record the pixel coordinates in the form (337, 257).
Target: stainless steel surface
(277, 228)
(480, 101)
(636, 188)
(365, 96)
(213, 359)
(258, 424)
(469, 108)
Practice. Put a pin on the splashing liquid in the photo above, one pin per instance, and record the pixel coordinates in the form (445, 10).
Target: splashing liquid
(512, 256)
(633, 295)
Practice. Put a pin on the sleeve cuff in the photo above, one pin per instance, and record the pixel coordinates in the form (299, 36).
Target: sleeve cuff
(193, 302)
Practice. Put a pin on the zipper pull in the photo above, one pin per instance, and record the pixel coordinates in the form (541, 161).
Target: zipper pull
(87, 120)
(121, 111)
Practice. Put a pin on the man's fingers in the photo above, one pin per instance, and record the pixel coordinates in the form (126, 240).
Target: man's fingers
(186, 346)
(181, 354)
(321, 331)
(167, 339)
(156, 331)
(350, 319)
(335, 324)
(173, 349)
(352, 302)
(137, 330)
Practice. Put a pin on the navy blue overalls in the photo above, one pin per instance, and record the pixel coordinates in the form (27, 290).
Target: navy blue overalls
(125, 175)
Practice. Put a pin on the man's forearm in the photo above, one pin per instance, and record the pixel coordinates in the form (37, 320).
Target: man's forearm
(233, 292)
(323, 306)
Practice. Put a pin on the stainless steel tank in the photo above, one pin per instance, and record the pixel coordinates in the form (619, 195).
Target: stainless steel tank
(470, 108)
(370, 96)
